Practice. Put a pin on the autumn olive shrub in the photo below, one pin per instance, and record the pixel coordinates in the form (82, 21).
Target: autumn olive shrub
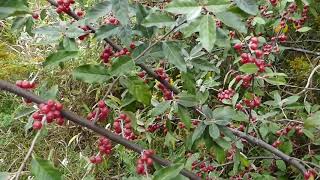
(195, 79)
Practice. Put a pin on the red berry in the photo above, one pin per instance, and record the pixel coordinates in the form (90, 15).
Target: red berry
(80, 13)
(253, 46)
(35, 15)
(132, 46)
(237, 46)
(254, 40)
(58, 106)
(37, 125)
(60, 121)
(101, 104)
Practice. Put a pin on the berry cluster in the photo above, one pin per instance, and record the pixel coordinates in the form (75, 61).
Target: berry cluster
(288, 15)
(144, 162)
(202, 167)
(26, 84)
(108, 53)
(112, 21)
(105, 148)
(246, 80)
(64, 6)
(122, 125)
(49, 112)
(253, 103)
(297, 127)
(225, 94)
(168, 95)
(101, 112)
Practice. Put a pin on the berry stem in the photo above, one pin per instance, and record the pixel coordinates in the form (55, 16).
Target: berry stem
(33, 143)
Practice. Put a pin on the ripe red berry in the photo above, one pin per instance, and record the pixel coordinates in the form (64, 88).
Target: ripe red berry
(101, 104)
(237, 46)
(80, 13)
(254, 40)
(253, 46)
(132, 46)
(35, 15)
(37, 125)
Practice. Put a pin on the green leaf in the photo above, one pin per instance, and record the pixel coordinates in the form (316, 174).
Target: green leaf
(248, 6)
(194, 157)
(182, 6)
(249, 68)
(187, 100)
(277, 80)
(189, 82)
(198, 132)
(214, 131)
(286, 147)
(216, 6)
(281, 165)
(207, 32)
(309, 134)
(220, 154)
(184, 114)
(158, 19)
(222, 38)
(60, 56)
(106, 31)
(204, 65)
(223, 113)
(121, 11)
(190, 28)
(13, 8)
(258, 20)
(226, 145)
(122, 65)
(304, 29)
(313, 121)
(188, 7)
(160, 108)
(69, 44)
(168, 173)
(172, 53)
(139, 89)
(232, 20)
(43, 169)
(99, 10)
(49, 93)
(90, 73)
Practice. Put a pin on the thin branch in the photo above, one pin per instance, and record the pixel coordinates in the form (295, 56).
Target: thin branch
(310, 78)
(302, 50)
(268, 147)
(23, 164)
(85, 123)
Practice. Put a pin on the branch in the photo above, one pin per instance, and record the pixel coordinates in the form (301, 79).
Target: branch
(302, 50)
(268, 147)
(23, 164)
(85, 123)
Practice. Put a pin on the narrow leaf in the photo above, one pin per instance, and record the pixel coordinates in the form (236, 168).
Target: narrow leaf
(60, 56)
(172, 53)
(207, 32)
(43, 169)
(91, 73)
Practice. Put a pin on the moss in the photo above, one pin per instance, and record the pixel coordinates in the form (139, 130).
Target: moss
(300, 67)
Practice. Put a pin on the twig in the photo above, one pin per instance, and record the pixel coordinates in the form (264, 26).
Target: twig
(309, 79)
(27, 155)
(302, 50)
(83, 122)
(271, 149)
